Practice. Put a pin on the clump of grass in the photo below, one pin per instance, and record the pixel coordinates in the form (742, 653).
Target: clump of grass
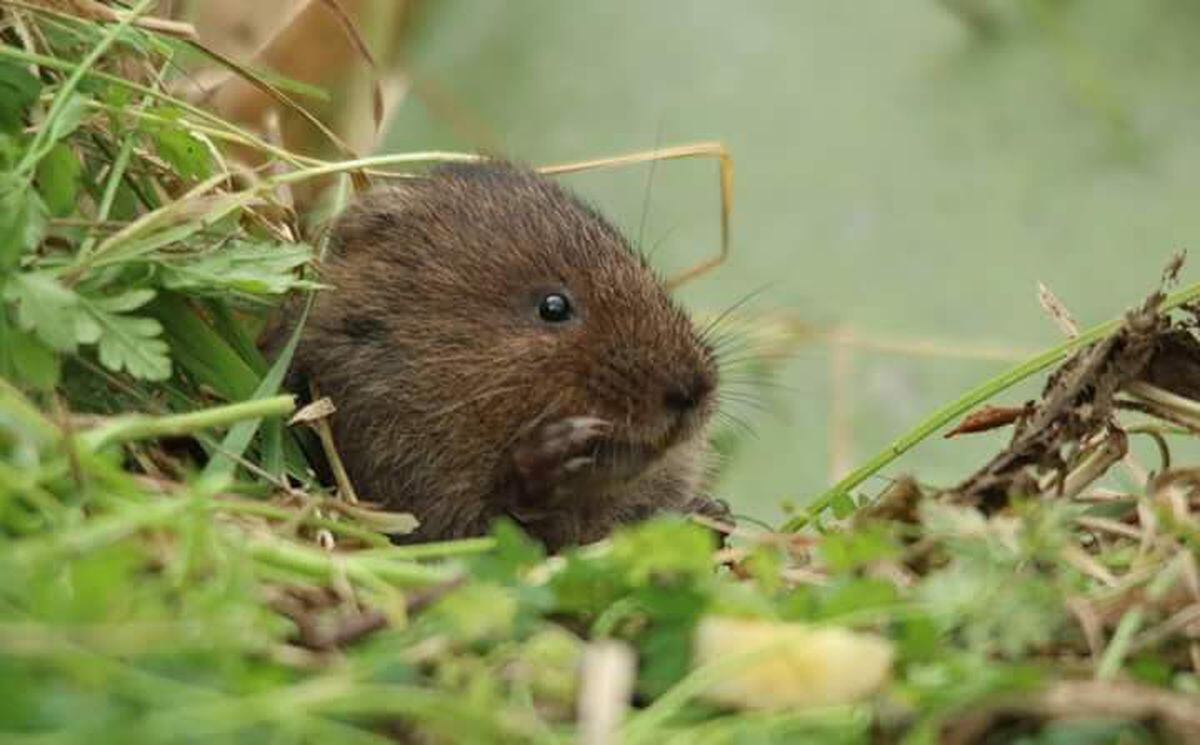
(171, 572)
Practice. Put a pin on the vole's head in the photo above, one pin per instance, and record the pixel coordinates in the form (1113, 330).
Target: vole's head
(484, 299)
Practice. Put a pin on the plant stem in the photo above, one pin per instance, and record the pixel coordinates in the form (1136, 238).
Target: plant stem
(1114, 655)
(345, 166)
(140, 426)
(319, 564)
(969, 400)
(434, 550)
(99, 532)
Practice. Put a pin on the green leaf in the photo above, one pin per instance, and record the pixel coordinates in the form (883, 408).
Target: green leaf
(238, 438)
(26, 359)
(58, 179)
(251, 268)
(514, 553)
(458, 613)
(56, 128)
(664, 548)
(131, 343)
(22, 220)
(125, 302)
(665, 649)
(851, 596)
(586, 586)
(202, 352)
(70, 117)
(188, 156)
(18, 91)
(849, 550)
(63, 320)
(46, 308)
(843, 506)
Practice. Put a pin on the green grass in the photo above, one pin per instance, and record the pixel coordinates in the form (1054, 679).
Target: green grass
(170, 572)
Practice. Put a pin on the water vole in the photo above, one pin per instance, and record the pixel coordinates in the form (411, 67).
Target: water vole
(495, 347)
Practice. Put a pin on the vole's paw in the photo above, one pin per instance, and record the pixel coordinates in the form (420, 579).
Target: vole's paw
(555, 452)
(714, 509)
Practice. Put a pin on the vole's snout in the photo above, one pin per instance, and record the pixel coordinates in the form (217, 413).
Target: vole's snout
(682, 398)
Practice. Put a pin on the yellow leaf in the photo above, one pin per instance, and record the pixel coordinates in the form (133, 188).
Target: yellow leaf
(775, 665)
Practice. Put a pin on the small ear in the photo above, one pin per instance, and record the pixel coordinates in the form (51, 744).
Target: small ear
(376, 216)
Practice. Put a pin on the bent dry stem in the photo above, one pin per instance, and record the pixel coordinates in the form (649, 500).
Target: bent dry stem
(969, 400)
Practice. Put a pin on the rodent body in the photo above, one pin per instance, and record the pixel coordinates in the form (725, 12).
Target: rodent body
(495, 347)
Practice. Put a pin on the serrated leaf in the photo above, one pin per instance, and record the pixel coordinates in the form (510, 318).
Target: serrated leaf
(133, 344)
(58, 179)
(125, 302)
(22, 220)
(251, 268)
(46, 308)
(18, 90)
(87, 329)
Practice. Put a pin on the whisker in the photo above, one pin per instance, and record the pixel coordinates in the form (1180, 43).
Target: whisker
(738, 423)
(745, 345)
(649, 186)
(777, 357)
(661, 241)
(757, 406)
(711, 325)
(759, 382)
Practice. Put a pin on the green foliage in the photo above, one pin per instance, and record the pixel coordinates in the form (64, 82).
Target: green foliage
(58, 180)
(188, 155)
(243, 268)
(18, 91)
(65, 320)
(22, 220)
(154, 592)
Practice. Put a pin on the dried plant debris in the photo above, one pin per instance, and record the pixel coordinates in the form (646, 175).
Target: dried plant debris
(324, 619)
(1075, 419)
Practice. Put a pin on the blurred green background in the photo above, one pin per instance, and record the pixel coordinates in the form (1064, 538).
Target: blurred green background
(910, 170)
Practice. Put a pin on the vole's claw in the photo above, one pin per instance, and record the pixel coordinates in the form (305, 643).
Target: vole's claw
(557, 451)
(572, 432)
(576, 465)
(717, 509)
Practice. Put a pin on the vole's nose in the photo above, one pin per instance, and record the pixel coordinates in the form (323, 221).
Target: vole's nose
(684, 398)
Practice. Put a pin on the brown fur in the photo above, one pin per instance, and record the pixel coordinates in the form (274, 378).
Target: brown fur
(448, 384)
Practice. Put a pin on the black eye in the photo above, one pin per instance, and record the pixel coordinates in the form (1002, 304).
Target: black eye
(555, 308)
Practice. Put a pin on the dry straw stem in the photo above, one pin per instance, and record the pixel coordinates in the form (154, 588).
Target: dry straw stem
(608, 676)
(345, 488)
(95, 11)
(695, 150)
